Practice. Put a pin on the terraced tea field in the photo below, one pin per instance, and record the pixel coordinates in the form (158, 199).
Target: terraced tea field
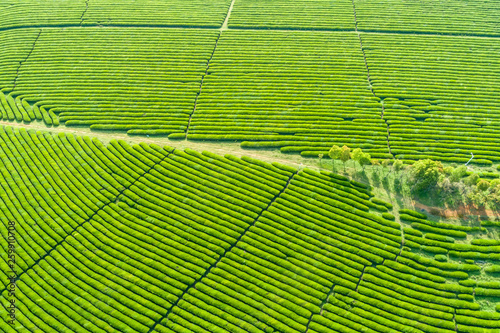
(301, 14)
(446, 17)
(123, 237)
(168, 64)
(292, 96)
(146, 238)
(40, 13)
(148, 71)
(441, 99)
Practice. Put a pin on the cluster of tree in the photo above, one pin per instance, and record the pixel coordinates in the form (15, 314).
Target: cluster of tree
(454, 185)
(345, 154)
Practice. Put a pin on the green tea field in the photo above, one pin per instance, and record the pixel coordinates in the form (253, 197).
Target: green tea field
(161, 166)
(144, 238)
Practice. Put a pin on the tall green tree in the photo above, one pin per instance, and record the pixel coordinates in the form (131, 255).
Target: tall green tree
(424, 175)
(364, 160)
(356, 155)
(334, 153)
(345, 155)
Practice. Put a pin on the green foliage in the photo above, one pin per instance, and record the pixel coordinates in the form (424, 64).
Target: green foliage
(398, 165)
(440, 257)
(335, 152)
(345, 155)
(483, 185)
(492, 269)
(364, 160)
(356, 154)
(388, 216)
(473, 179)
(425, 175)
(458, 173)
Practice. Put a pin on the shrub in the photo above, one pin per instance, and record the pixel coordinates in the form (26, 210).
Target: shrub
(492, 269)
(440, 257)
(388, 216)
(413, 213)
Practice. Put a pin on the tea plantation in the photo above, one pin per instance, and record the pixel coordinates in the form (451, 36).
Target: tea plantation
(145, 238)
(110, 236)
(298, 76)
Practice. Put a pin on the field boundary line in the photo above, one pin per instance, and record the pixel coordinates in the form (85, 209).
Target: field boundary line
(222, 28)
(22, 62)
(174, 26)
(368, 75)
(201, 85)
(84, 12)
(402, 237)
(18, 276)
(323, 303)
(361, 278)
(454, 319)
(223, 255)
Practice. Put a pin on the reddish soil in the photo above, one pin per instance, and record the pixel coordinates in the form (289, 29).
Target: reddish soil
(460, 212)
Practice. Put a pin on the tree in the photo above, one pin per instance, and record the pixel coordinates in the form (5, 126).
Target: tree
(458, 173)
(356, 154)
(494, 196)
(345, 155)
(494, 183)
(364, 160)
(320, 158)
(335, 153)
(477, 198)
(424, 174)
(471, 180)
(448, 170)
(483, 185)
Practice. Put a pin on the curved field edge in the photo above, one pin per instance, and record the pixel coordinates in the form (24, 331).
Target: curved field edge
(141, 238)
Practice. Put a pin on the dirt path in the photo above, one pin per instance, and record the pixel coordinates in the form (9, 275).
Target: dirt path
(220, 148)
(225, 24)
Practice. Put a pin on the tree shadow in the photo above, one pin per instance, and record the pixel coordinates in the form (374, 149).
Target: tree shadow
(362, 176)
(376, 179)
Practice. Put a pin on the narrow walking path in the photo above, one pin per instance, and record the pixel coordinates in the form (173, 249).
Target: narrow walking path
(217, 147)
(368, 75)
(230, 148)
(226, 21)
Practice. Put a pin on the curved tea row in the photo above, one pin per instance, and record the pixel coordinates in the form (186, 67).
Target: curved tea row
(141, 238)
(440, 95)
(135, 79)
